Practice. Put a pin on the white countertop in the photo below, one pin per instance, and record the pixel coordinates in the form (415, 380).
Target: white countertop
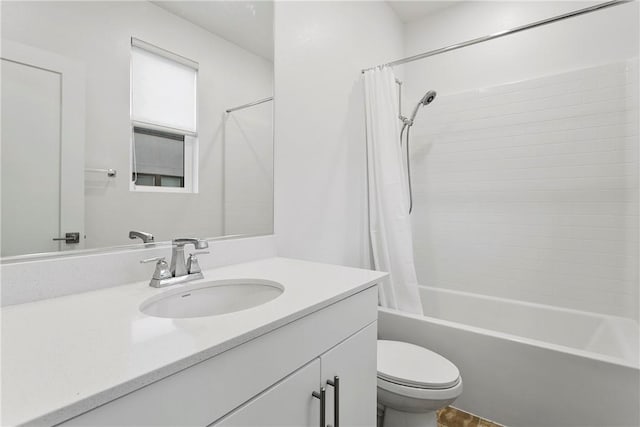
(64, 356)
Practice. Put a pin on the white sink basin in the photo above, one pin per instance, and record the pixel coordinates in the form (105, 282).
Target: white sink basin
(212, 298)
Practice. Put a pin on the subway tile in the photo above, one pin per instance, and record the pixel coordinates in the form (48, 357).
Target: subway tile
(530, 190)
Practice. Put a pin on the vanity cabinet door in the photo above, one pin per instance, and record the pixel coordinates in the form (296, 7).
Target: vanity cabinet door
(354, 361)
(287, 403)
(290, 403)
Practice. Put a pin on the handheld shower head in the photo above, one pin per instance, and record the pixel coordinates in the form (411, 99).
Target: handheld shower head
(406, 124)
(428, 97)
(426, 100)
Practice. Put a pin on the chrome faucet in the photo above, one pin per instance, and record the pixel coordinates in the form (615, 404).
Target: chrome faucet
(178, 265)
(145, 237)
(179, 272)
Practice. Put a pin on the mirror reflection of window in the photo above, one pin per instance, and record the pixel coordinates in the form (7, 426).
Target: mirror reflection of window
(158, 158)
(164, 118)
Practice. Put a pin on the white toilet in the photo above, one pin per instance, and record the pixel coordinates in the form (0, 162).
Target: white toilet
(413, 383)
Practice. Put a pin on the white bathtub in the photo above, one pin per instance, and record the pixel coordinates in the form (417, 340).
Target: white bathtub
(529, 365)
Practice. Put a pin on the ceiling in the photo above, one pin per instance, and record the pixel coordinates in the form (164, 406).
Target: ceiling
(249, 24)
(411, 10)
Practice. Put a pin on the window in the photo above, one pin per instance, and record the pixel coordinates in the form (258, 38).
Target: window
(163, 120)
(158, 157)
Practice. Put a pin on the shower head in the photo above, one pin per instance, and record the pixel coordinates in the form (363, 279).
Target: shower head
(428, 97)
(426, 100)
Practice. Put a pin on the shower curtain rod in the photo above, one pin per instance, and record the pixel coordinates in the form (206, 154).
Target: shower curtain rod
(251, 104)
(501, 33)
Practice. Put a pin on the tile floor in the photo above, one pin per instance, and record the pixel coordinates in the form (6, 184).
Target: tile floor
(452, 417)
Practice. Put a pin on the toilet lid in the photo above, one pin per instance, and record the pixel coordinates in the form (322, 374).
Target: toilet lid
(415, 366)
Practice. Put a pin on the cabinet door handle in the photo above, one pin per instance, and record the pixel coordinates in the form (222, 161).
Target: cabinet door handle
(323, 404)
(336, 400)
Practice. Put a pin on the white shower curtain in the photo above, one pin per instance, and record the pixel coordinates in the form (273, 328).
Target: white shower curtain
(389, 224)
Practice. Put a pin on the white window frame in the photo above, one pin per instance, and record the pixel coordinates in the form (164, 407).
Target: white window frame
(191, 142)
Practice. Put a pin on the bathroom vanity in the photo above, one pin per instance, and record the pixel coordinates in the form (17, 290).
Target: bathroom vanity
(96, 359)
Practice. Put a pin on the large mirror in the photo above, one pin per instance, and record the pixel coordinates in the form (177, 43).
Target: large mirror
(134, 116)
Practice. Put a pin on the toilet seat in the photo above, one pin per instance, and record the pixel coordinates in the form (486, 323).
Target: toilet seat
(387, 389)
(403, 365)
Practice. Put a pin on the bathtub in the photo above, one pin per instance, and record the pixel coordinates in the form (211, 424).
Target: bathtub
(529, 365)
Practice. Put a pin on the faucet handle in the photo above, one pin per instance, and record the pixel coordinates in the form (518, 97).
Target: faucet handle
(192, 262)
(162, 268)
(158, 258)
(198, 253)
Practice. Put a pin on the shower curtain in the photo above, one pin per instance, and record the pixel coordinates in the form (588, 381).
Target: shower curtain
(389, 224)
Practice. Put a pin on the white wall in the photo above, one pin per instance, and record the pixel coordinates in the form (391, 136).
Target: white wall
(596, 38)
(98, 34)
(526, 165)
(320, 173)
(248, 170)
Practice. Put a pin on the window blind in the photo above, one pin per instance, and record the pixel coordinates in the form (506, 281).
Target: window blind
(163, 88)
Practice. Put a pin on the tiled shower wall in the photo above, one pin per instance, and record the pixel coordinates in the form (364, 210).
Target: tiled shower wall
(529, 190)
